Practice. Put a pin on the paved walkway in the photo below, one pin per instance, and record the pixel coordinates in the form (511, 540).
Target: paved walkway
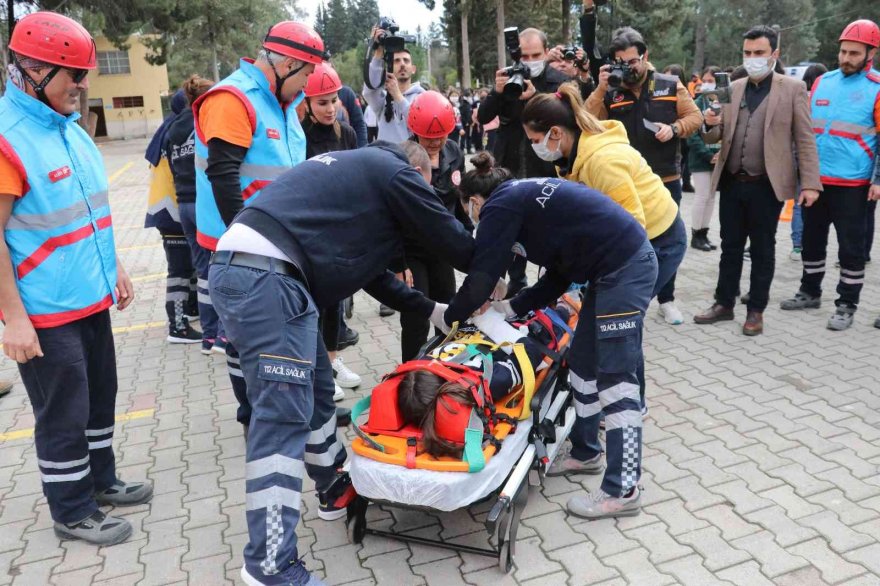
(760, 460)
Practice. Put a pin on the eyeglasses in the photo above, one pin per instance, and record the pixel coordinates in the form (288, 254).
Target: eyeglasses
(635, 61)
(77, 75)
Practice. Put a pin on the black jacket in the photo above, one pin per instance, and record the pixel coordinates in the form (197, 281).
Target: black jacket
(179, 148)
(512, 147)
(343, 216)
(321, 138)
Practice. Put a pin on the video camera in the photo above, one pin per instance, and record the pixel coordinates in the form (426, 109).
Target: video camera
(721, 94)
(619, 71)
(390, 41)
(517, 72)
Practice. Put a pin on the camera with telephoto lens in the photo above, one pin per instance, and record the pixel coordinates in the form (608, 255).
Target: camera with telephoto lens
(390, 41)
(517, 72)
(620, 70)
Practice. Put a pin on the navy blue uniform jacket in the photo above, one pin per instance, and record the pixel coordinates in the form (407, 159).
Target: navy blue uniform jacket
(576, 233)
(342, 216)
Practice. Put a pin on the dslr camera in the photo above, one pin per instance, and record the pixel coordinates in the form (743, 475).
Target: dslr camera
(517, 72)
(569, 53)
(390, 41)
(619, 72)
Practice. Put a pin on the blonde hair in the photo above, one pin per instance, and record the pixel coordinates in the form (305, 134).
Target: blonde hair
(564, 108)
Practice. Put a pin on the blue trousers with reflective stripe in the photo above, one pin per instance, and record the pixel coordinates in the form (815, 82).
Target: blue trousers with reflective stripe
(273, 323)
(604, 361)
(72, 389)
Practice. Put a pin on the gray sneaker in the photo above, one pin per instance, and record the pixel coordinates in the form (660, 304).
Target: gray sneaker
(600, 505)
(126, 494)
(97, 528)
(841, 320)
(800, 301)
(564, 464)
(877, 323)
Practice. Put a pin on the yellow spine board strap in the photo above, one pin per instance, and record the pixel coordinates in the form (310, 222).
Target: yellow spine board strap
(525, 367)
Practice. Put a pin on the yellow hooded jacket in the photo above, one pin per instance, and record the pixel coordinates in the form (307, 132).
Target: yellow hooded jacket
(606, 162)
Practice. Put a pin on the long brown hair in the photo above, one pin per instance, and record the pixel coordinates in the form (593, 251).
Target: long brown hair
(565, 108)
(194, 86)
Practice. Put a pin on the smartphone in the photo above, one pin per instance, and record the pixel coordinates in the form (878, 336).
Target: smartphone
(652, 126)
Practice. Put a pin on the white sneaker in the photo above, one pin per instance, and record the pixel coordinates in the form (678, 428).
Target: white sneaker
(795, 254)
(338, 394)
(600, 505)
(345, 378)
(671, 314)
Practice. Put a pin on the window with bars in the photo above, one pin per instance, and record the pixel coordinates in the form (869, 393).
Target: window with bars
(113, 62)
(129, 102)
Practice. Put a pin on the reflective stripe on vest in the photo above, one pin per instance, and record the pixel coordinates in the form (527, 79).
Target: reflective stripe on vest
(843, 121)
(278, 144)
(60, 234)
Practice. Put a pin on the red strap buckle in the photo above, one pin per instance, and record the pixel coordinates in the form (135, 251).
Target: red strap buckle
(411, 444)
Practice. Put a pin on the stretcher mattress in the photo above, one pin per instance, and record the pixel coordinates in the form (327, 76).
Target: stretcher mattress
(444, 491)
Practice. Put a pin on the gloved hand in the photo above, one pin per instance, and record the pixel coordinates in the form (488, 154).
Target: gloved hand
(437, 318)
(504, 308)
(500, 291)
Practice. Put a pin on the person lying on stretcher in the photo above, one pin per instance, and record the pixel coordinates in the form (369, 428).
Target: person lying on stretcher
(422, 394)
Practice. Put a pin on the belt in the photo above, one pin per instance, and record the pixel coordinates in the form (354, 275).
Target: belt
(743, 177)
(259, 262)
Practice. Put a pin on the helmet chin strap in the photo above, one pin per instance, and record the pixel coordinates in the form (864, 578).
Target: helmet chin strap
(279, 81)
(39, 88)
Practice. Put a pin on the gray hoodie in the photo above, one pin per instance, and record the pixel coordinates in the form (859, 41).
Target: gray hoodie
(396, 130)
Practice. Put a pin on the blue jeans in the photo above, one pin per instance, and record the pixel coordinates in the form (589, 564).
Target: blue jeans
(201, 257)
(666, 292)
(273, 323)
(670, 248)
(797, 225)
(605, 358)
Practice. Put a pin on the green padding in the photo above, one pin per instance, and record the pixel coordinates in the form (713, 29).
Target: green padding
(356, 412)
(473, 450)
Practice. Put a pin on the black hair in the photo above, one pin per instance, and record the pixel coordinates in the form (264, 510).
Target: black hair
(738, 73)
(676, 70)
(484, 178)
(756, 32)
(712, 69)
(626, 37)
(814, 72)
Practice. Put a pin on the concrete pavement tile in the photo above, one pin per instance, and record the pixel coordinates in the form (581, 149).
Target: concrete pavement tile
(676, 517)
(555, 578)
(804, 483)
(811, 461)
(634, 566)
(689, 570)
(756, 480)
(394, 568)
(716, 552)
(867, 556)
(164, 535)
(12, 535)
(82, 576)
(868, 579)
(78, 555)
(581, 563)
(121, 560)
(850, 513)
(606, 537)
(694, 495)
(744, 501)
(41, 544)
(706, 470)
(854, 462)
(163, 567)
(764, 458)
(204, 512)
(786, 531)
(731, 437)
(490, 577)
(166, 505)
(745, 573)
(657, 539)
(662, 470)
(341, 564)
(553, 530)
(726, 520)
(423, 554)
(773, 559)
(207, 570)
(531, 561)
(205, 542)
(834, 568)
(31, 574)
(19, 508)
(839, 537)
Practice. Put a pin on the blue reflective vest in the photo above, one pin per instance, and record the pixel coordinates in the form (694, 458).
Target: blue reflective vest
(843, 120)
(278, 144)
(60, 234)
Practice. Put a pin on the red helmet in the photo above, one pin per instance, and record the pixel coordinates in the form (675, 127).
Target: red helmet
(297, 40)
(862, 31)
(55, 39)
(431, 115)
(323, 80)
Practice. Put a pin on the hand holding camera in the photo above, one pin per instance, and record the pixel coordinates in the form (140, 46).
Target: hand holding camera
(711, 117)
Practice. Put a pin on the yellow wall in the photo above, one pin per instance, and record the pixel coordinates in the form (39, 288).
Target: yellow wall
(149, 81)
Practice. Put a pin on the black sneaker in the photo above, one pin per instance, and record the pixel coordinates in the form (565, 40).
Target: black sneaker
(187, 335)
(207, 346)
(126, 494)
(97, 528)
(385, 311)
(347, 338)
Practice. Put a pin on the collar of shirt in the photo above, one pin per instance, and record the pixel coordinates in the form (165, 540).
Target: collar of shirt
(756, 92)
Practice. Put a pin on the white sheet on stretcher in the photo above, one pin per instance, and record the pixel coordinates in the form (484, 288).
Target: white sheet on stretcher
(444, 491)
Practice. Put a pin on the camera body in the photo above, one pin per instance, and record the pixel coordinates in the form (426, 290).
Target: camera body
(569, 53)
(620, 70)
(517, 72)
(721, 94)
(390, 41)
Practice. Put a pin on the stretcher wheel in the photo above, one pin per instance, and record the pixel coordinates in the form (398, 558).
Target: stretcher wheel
(505, 560)
(356, 521)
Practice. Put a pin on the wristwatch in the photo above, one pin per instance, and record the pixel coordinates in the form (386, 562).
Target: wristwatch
(675, 130)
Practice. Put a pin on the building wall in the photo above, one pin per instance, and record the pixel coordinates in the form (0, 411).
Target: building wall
(148, 81)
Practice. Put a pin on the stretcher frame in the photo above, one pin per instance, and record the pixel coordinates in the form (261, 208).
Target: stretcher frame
(553, 416)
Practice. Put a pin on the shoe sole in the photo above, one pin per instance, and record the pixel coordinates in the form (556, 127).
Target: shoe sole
(810, 305)
(348, 385)
(192, 318)
(337, 398)
(751, 333)
(334, 516)
(626, 513)
(65, 536)
(221, 351)
(707, 322)
(207, 352)
(248, 579)
(575, 472)
(173, 340)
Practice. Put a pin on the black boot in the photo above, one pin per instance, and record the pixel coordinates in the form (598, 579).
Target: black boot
(707, 241)
(700, 241)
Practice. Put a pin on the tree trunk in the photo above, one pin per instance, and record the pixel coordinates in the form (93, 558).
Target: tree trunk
(566, 21)
(700, 38)
(499, 21)
(465, 47)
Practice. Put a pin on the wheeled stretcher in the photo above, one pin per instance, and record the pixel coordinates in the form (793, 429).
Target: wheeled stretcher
(381, 473)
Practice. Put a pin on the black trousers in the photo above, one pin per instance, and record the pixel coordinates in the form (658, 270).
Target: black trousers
(436, 279)
(180, 289)
(869, 229)
(330, 321)
(516, 276)
(846, 208)
(748, 211)
(72, 389)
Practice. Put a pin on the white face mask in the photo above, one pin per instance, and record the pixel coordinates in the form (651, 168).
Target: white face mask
(707, 87)
(474, 221)
(536, 68)
(758, 67)
(544, 153)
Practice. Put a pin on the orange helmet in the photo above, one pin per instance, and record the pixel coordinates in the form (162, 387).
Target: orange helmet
(55, 39)
(323, 80)
(862, 31)
(431, 115)
(297, 40)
